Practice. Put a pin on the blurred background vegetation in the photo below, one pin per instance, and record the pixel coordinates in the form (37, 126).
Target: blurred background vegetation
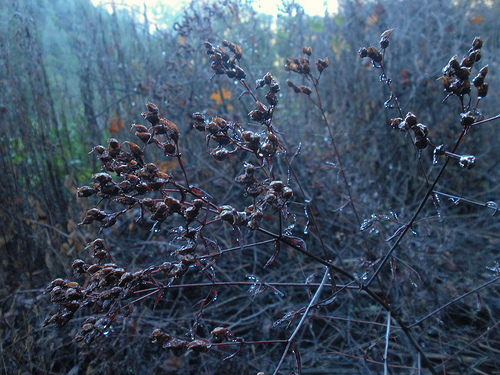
(72, 75)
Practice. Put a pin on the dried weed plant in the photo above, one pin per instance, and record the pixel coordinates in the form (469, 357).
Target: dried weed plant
(264, 217)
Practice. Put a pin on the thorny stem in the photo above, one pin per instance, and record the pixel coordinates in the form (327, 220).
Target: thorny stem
(486, 120)
(337, 155)
(181, 165)
(304, 317)
(250, 283)
(470, 343)
(457, 200)
(410, 223)
(388, 82)
(453, 301)
(386, 350)
(408, 226)
(313, 217)
(370, 293)
(309, 254)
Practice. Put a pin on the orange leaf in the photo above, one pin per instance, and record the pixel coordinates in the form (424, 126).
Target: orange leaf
(115, 125)
(216, 95)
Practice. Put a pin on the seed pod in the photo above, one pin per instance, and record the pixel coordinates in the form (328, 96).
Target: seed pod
(274, 87)
(187, 259)
(173, 204)
(467, 62)
(219, 332)
(219, 154)
(374, 54)
(467, 119)
(421, 142)
(463, 73)
(268, 78)
(145, 137)
(108, 221)
(277, 186)
(168, 149)
(152, 114)
(410, 120)
(478, 80)
(85, 191)
(99, 149)
(306, 68)
(421, 130)
(482, 91)
(72, 284)
(306, 90)
(259, 83)
(176, 344)
(287, 193)
(77, 266)
(140, 128)
(135, 150)
(475, 56)
(384, 38)
(200, 345)
(322, 64)
(102, 177)
(271, 99)
(113, 144)
(238, 53)
(93, 268)
(227, 214)
(477, 43)
(307, 51)
(448, 83)
(240, 73)
(396, 122)
(462, 89)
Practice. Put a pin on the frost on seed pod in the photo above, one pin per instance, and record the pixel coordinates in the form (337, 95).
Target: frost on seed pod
(467, 161)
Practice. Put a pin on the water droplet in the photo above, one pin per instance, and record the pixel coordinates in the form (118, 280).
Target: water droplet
(156, 227)
(163, 53)
(306, 228)
(288, 230)
(366, 224)
(133, 104)
(278, 293)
